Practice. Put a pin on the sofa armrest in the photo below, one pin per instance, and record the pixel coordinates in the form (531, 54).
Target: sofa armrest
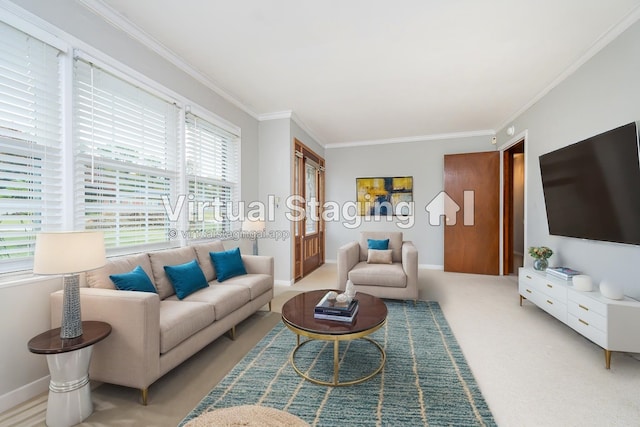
(258, 264)
(410, 263)
(348, 257)
(130, 355)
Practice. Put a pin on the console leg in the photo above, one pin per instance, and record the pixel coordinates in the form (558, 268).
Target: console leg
(607, 358)
(521, 298)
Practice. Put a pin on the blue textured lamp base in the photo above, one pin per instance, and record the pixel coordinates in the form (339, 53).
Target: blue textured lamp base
(71, 326)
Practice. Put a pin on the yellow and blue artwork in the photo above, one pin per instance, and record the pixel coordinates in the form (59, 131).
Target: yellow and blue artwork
(384, 196)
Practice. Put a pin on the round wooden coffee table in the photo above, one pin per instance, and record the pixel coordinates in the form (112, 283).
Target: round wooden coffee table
(297, 315)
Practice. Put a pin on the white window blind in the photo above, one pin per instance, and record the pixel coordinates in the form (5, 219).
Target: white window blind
(212, 156)
(126, 158)
(30, 145)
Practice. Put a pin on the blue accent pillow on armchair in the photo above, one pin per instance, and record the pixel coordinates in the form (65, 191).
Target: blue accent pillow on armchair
(228, 264)
(135, 280)
(186, 278)
(378, 244)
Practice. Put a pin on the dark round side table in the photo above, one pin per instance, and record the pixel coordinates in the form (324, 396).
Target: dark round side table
(69, 393)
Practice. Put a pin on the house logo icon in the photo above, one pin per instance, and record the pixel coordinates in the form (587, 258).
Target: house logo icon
(443, 206)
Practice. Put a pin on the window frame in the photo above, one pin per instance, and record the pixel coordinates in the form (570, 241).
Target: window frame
(72, 48)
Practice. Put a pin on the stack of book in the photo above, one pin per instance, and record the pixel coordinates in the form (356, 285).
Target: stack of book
(565, 273)
(330, 309)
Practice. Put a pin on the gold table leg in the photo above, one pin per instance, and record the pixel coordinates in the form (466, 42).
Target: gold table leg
(336, 360)
(336, 366)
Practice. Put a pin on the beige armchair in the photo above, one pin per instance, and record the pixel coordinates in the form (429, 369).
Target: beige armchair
(395, 280)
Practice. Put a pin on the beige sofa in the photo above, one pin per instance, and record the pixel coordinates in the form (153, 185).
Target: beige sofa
(395, 280)
(153, 333)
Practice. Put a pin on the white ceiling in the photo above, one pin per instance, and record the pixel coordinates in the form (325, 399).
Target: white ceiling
(372, 70)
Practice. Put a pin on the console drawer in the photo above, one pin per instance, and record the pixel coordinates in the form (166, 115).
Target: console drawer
(583, 313)
(554, 308)
(587, 302)
(582, 327)
(554, 290)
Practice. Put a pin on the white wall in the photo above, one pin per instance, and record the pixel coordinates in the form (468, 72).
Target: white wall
(24, 305)
(275, 165)
(275, 180)
(423, 160)
(601, 95)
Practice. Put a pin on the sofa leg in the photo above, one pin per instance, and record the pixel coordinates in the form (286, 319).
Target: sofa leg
(232, 333)
(144, 392)
(270, 306)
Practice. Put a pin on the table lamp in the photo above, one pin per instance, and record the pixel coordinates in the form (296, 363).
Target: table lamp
(69, 253)
(253, 227)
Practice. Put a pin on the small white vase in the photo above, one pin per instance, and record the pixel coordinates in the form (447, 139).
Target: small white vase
(350, 289)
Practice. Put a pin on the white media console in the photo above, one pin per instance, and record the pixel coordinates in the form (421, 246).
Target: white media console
(614, 325)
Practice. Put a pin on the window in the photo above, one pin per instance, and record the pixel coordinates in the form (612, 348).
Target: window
(126, 158)
(31, 184)
(212, 174)
(111, 162)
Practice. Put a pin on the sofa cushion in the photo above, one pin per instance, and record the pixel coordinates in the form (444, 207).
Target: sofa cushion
(168, 257)
(379, 256)
(204, 259)
(395, 243)
(228, 264)
(99, 278)
(135, 280)
(180, 319)
(390, 275)
(186, 278)
(224, 299)
(257, 284)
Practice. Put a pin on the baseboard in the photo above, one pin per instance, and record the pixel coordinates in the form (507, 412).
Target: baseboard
(24, 393)
(283, 282)
(431, 266)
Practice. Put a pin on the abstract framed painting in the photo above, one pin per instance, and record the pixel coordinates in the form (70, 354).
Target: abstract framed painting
(384, 196)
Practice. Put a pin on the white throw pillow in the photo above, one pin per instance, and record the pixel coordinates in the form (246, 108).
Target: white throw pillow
(379, 256)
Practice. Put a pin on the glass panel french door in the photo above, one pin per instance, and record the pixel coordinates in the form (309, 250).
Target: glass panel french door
(308, 184)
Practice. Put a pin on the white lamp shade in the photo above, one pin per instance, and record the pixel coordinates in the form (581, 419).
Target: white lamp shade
(68, 252)
(253, 225)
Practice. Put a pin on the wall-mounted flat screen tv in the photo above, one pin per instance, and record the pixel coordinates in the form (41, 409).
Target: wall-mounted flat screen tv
(592, 188)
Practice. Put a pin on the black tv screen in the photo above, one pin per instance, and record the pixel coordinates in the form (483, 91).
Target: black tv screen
(592, 188)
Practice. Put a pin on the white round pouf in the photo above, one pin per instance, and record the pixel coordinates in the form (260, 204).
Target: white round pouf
(610, 290)
(582, 282)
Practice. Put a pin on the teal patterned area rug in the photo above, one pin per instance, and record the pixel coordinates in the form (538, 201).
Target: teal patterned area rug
(425, 381)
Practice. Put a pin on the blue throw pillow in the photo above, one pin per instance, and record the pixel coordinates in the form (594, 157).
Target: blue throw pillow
(186, 278)
(378, 244)
(135, 280)
(228, 264)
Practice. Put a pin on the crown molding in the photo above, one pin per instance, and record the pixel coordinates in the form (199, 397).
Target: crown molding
(120, 22)
(289, 114)
(308, 130)
(420, 138)
(600, 43)
(276, 115)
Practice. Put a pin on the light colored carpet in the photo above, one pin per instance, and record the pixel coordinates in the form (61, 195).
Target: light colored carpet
(532, 369)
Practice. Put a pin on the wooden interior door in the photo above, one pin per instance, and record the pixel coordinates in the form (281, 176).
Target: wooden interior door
(472, 240)
(309, 233)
